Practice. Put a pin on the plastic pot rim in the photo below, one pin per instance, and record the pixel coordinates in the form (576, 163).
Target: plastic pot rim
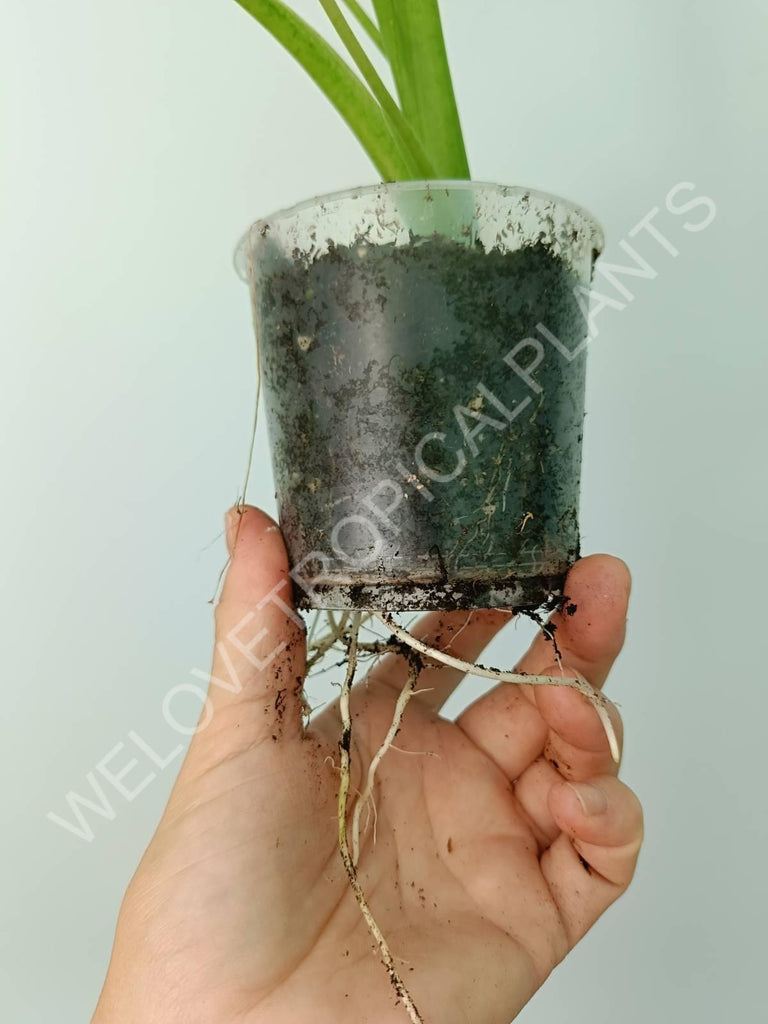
(240, 258)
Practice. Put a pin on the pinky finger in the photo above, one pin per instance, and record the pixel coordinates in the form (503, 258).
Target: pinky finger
(592, 861)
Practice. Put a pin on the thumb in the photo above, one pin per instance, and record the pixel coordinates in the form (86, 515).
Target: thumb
(255, 684)
(593, 859)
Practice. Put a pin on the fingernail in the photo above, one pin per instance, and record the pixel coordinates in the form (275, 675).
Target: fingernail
(592, 799)
(231, 522)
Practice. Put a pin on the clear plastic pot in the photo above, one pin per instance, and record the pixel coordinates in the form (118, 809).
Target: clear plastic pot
(421, 347)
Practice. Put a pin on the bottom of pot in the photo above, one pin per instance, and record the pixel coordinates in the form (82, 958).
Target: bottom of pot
(527, 594)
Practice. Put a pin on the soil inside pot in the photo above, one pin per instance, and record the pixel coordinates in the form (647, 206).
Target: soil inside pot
(418, 466)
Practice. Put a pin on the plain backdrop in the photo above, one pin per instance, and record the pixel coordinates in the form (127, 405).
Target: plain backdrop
(138, 141)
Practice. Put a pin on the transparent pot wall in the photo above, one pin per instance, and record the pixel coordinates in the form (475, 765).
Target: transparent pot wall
(422, 358)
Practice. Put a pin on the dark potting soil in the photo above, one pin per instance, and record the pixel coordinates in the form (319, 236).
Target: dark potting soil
(424, 470)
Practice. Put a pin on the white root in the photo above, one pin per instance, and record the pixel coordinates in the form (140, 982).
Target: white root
(405, 695)
(344, 786)
(596, 699)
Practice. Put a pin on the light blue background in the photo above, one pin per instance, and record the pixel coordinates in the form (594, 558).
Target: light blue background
(139, 140)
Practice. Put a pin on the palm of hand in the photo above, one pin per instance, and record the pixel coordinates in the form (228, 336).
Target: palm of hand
(241, 909)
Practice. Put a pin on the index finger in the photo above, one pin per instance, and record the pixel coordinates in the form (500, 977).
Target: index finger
(588, 633)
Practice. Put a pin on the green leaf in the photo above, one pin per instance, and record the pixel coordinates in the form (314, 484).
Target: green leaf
(339, 83)
(391, 32)
(420, 165)
(413, 39)
(366, 22)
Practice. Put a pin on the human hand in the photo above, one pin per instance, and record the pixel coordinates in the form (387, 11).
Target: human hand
(488, 864)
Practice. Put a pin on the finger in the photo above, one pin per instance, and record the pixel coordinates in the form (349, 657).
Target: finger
(462, 634)
(589, 631)
(517, 725)
(576, 743)
(575, 748)
(259, 658)
(593, 859)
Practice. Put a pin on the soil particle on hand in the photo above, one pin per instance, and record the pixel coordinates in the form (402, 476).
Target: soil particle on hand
(280, 703)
